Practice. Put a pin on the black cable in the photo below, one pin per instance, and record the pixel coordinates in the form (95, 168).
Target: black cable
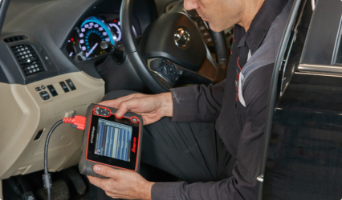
(47, 176)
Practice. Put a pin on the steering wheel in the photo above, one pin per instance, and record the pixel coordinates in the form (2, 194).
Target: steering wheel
(172, 51)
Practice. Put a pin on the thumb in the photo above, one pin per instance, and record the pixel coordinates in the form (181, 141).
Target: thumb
(106, 171)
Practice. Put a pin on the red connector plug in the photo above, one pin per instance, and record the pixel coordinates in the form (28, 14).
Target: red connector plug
(78, 121)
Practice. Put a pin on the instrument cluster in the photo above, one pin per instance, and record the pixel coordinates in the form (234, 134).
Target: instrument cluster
(84, 42)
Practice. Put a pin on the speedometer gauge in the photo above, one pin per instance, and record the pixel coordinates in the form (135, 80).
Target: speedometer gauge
(92, 32)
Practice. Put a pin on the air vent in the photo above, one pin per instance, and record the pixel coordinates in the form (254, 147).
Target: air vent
(28, 59)
(14, 38)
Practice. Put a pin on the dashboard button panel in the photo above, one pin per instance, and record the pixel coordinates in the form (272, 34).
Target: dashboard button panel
(52, 90)
(167, 70)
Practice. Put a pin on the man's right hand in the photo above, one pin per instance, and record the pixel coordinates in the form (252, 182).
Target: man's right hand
(151, 107)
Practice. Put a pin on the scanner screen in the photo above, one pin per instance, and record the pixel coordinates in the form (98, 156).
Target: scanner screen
(113, 140)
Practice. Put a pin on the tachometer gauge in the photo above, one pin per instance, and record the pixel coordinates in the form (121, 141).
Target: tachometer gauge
(92, 32)
(115, 25)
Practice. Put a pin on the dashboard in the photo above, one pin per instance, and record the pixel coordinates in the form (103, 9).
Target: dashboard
(51, 66)
(85, 40)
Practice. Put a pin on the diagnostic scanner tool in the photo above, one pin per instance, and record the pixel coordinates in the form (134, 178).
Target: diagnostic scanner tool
(111, 141)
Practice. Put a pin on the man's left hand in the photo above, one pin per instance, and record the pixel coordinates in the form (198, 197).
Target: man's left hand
(122, 184)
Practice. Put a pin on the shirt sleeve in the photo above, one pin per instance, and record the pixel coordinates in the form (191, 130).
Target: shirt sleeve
(243, 183)
(197, 103)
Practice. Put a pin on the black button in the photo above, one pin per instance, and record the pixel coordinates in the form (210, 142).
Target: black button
(206, 34)
(208, 40)
(155, 65)
(97, 110)
(64, 86)
(107, 113)
(203, 28)
(38, 89)
(52, 90)
(44, 95)
(70, 84)
(165, 69)
(43, 87)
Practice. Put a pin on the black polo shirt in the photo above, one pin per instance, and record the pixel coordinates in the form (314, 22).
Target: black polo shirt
(237, 106)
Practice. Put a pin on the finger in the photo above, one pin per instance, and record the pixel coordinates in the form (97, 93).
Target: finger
(126, 106)
(104, 184)
(107, 171)
(116, 102)
(95, 181)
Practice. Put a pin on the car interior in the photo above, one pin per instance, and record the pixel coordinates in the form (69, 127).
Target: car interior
(59, 56)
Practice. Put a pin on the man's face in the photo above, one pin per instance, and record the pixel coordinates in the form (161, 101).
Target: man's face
(221, 14)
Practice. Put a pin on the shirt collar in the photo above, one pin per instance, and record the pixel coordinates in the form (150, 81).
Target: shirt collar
(262, 22)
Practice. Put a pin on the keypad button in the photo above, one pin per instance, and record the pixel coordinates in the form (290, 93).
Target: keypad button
(208, 40)
(64, 86)
(206, 34)
(202, 28)
(44, 95)
(70, 84)
(52, 90)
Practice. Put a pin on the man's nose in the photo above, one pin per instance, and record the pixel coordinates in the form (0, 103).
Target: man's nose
(190, 4)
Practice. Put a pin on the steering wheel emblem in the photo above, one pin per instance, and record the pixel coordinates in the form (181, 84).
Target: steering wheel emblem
(182, 38)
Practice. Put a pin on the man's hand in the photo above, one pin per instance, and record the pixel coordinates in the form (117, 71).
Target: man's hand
(121, 183)
(151, 107)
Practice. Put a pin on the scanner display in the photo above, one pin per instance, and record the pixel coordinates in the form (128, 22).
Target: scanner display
(113, 140)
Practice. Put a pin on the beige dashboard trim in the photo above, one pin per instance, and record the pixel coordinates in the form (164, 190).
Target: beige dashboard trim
(23, 113)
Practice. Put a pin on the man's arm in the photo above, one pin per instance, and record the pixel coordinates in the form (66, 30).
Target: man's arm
(151, 107)
(197, 103)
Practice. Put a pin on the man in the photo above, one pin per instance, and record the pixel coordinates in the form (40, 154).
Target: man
(237, 106)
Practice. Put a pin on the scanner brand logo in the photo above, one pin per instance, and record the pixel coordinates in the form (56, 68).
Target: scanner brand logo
(92, 135)
(134, 145)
